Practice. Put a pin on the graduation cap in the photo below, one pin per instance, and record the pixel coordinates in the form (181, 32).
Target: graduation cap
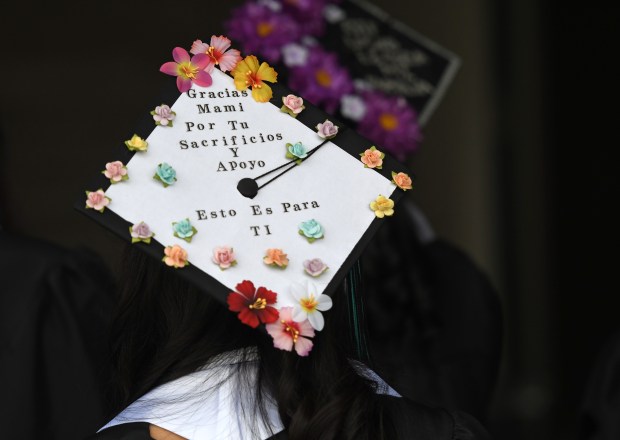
(251, 201)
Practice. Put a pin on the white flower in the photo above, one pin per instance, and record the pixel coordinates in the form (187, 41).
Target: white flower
(308, 304)
(295, 55)
(333, 14)
(271, 4)
(353, 107)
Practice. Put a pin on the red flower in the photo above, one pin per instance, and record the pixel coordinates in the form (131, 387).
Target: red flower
(253, 304)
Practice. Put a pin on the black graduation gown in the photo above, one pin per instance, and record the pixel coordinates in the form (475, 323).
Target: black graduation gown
(444, 309)
(55, 305)
(409, 419)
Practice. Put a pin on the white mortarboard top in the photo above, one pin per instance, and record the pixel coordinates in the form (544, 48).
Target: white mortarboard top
(183, 182)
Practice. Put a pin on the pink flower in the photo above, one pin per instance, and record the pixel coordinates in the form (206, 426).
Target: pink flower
(314, 267)
(293, 105)
(115, 171)
(217, 53)
(163, 115)
(327, 129)
(97, 200)
(188, 70)
(287, 333)
(224, 257)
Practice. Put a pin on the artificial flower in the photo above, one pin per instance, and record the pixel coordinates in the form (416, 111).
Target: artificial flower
(308, 14)
(184, 229)
(295, 55)
(136, 143)
(382, 206)
(307, 303)
(372, 158)
(188, 70)
(165, 174)
(115, 171)
(141, 232)
(352, 107)
(296, 151)
(314, 267)
(293, 105)
(327, 129)
(287, 333)
(175, 256)
(333, 13)
(224, 257)
(218, 52)
(402, 180)
(97, 200)
(311, 230)
(322, 80)
(261, 30)
(248, 73)
(253, 305)
(276, 258)
(163, 115)
(392, 122)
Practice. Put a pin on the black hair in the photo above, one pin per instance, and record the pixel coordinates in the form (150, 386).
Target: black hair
(166, 328)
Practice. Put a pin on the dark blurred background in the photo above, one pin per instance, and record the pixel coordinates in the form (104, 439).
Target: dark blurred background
(516, 167)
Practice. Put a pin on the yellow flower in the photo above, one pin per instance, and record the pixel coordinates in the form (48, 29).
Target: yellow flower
(136, 143)
(248, 73)
(382, 206)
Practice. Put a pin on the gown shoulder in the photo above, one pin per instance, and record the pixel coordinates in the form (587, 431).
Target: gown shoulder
(402, 419)
(407, 419)
(125, 431)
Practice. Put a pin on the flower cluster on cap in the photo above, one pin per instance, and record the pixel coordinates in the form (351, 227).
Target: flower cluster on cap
(290, 319)
(285, 32)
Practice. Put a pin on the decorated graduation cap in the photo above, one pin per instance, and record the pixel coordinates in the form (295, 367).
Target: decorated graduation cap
(249, 192)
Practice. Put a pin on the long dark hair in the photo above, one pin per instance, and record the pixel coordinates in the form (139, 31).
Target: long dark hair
(165, 328)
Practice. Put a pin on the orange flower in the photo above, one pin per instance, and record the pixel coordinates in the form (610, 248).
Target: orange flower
(248, 73)
(372, 158)
(402, 180)
(276, 257)
(175, 257)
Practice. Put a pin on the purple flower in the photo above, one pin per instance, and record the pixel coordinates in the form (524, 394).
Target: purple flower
(314, 267)
(322, 80)
(261, 30)
(392, 123)
(308, 14)
(141, 232)
(327, 129)
(163, 115)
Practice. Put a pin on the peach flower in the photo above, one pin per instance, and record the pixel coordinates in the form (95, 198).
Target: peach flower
(115, 171)
(372, 158)
(97, 200)
(175, 256)
(402, 180)
(276, 257)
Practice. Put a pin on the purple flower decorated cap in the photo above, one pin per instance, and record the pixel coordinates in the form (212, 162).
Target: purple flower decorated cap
(231, 189)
